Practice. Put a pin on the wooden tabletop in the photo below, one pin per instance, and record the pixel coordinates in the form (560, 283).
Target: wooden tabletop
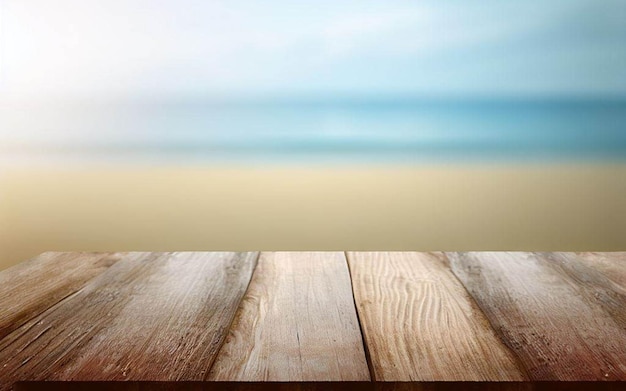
(314, 320)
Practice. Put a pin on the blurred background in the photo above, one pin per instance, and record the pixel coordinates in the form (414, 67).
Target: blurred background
(353, 125)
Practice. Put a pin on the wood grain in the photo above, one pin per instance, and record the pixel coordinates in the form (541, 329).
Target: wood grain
(319, 386)
(599, 279)
(29, 288)
(556, 314)
(420, 324)
(151, 316)
(208, 321)
(297, 323)
(498, 386)
(611, 264)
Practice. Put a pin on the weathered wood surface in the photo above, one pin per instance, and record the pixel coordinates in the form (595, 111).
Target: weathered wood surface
(151, 316)
(297, 322)
(29, 288)
(562, 319)
(421, 325)
(319, 386)
(610, 264)
(312, 321)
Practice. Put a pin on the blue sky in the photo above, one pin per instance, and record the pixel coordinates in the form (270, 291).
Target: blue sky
(203, 47)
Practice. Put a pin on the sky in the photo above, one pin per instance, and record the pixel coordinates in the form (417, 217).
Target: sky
(136, 48)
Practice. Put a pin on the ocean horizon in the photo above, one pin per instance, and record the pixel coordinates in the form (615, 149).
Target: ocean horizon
(394, 130)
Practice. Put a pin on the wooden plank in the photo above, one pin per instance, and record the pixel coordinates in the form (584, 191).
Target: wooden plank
(600, 279)
(543, 308)
(296, 323)
(611, 264)
(497, 386)
(151, 316)
(31, 287)
(420, 324)
(320, 386)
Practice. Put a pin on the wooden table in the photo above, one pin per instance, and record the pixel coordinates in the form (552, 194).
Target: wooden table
(314, 320)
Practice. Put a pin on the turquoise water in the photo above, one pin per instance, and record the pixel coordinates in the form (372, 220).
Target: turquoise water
(324, 130)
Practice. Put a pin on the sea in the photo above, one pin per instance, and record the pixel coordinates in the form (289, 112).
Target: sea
(315, 131)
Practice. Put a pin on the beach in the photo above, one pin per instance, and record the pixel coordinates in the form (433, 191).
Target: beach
(477, 206)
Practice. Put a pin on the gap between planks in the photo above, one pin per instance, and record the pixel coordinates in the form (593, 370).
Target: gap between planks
(455, 272)
(420, 324)
(131, 317)
(368, 357)
(297, 322)
(27, 289)
(318, 386)
(561, 313)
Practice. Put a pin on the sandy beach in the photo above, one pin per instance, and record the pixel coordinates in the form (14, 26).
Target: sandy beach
(444, 207)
